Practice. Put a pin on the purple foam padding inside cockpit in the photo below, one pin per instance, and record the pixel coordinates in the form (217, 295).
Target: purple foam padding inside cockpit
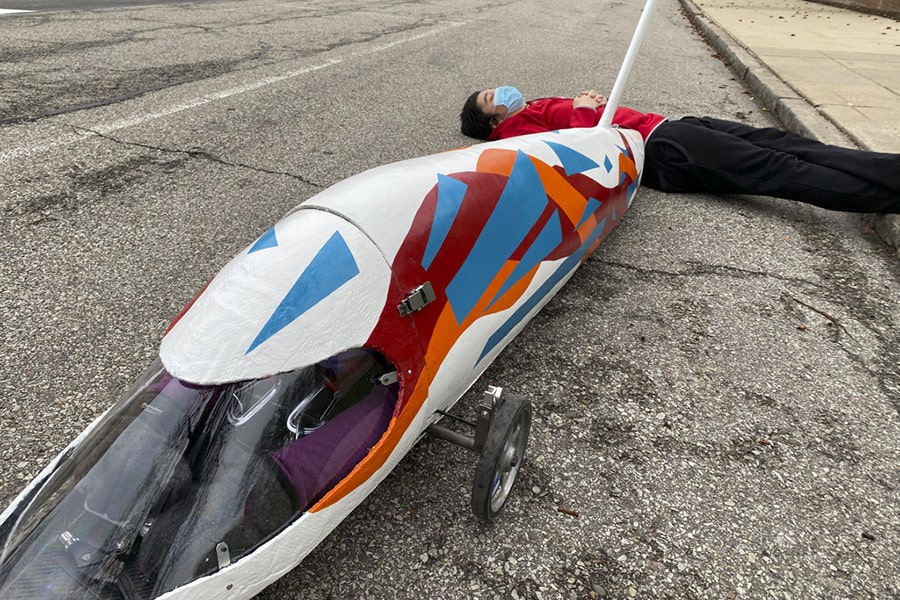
(316, 462)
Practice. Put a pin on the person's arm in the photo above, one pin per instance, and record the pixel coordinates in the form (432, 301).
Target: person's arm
(549, 114)
(582, 112)
(584, 108)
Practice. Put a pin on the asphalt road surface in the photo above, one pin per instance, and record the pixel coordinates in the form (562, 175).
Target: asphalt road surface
(716, 391)
(78, 5)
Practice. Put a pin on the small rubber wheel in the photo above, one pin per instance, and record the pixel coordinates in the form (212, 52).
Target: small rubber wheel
(501, 457)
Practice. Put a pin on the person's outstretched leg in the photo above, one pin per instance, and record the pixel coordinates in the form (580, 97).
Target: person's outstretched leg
(689, 156)
(879, 168)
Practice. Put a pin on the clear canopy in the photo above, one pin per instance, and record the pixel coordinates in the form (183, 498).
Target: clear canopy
(178, 480)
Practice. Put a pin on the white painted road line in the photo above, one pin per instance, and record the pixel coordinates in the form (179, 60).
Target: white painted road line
(10, 154)
(9, 11)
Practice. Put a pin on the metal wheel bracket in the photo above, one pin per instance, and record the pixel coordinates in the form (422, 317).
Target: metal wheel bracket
(489, 403)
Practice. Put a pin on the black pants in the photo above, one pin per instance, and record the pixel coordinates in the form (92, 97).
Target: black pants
(724, 157)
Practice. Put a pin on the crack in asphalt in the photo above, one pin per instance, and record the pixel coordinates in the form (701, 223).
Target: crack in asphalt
(700, 269)
(191, 74)
(166, 25)
(211, 69)
(882, 367)
(20, 53)
(201, 154)
(862, 297)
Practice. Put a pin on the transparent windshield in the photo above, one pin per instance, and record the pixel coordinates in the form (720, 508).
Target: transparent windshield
(178, 480)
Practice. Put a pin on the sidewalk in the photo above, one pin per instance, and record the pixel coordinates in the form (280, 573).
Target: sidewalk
(826, 72)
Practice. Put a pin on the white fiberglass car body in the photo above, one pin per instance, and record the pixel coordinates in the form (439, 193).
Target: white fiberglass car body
(309, 366)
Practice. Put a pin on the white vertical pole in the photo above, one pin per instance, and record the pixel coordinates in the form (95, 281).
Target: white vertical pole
(613, 102)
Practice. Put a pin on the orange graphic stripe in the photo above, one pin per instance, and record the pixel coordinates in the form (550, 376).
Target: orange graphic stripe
(514, 292)
(561, 191)
(496, 161)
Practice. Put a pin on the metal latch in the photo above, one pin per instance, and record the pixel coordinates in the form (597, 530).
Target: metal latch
(417, 299)
(388, 378)
(223, 555)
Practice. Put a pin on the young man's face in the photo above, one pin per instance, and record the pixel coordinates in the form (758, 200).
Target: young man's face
(485, 103)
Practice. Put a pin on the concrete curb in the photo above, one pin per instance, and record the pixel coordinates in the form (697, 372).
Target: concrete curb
(777, 96)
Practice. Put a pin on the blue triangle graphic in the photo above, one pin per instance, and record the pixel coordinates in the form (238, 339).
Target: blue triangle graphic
(266, 240)
(572, 160)
(331, 268)
(449, 199)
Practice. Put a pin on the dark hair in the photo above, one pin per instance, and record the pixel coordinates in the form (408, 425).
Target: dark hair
(473, 122)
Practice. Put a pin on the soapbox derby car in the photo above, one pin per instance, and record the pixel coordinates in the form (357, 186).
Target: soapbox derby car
(293, 383)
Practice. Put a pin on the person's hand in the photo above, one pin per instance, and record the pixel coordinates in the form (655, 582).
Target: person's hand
(590, 99)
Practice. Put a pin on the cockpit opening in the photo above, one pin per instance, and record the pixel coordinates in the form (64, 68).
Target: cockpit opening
(179, 480)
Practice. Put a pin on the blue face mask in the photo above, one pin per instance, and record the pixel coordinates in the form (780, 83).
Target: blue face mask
(510, 97)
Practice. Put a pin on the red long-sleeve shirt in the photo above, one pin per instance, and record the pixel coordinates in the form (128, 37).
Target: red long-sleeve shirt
(550, 114)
